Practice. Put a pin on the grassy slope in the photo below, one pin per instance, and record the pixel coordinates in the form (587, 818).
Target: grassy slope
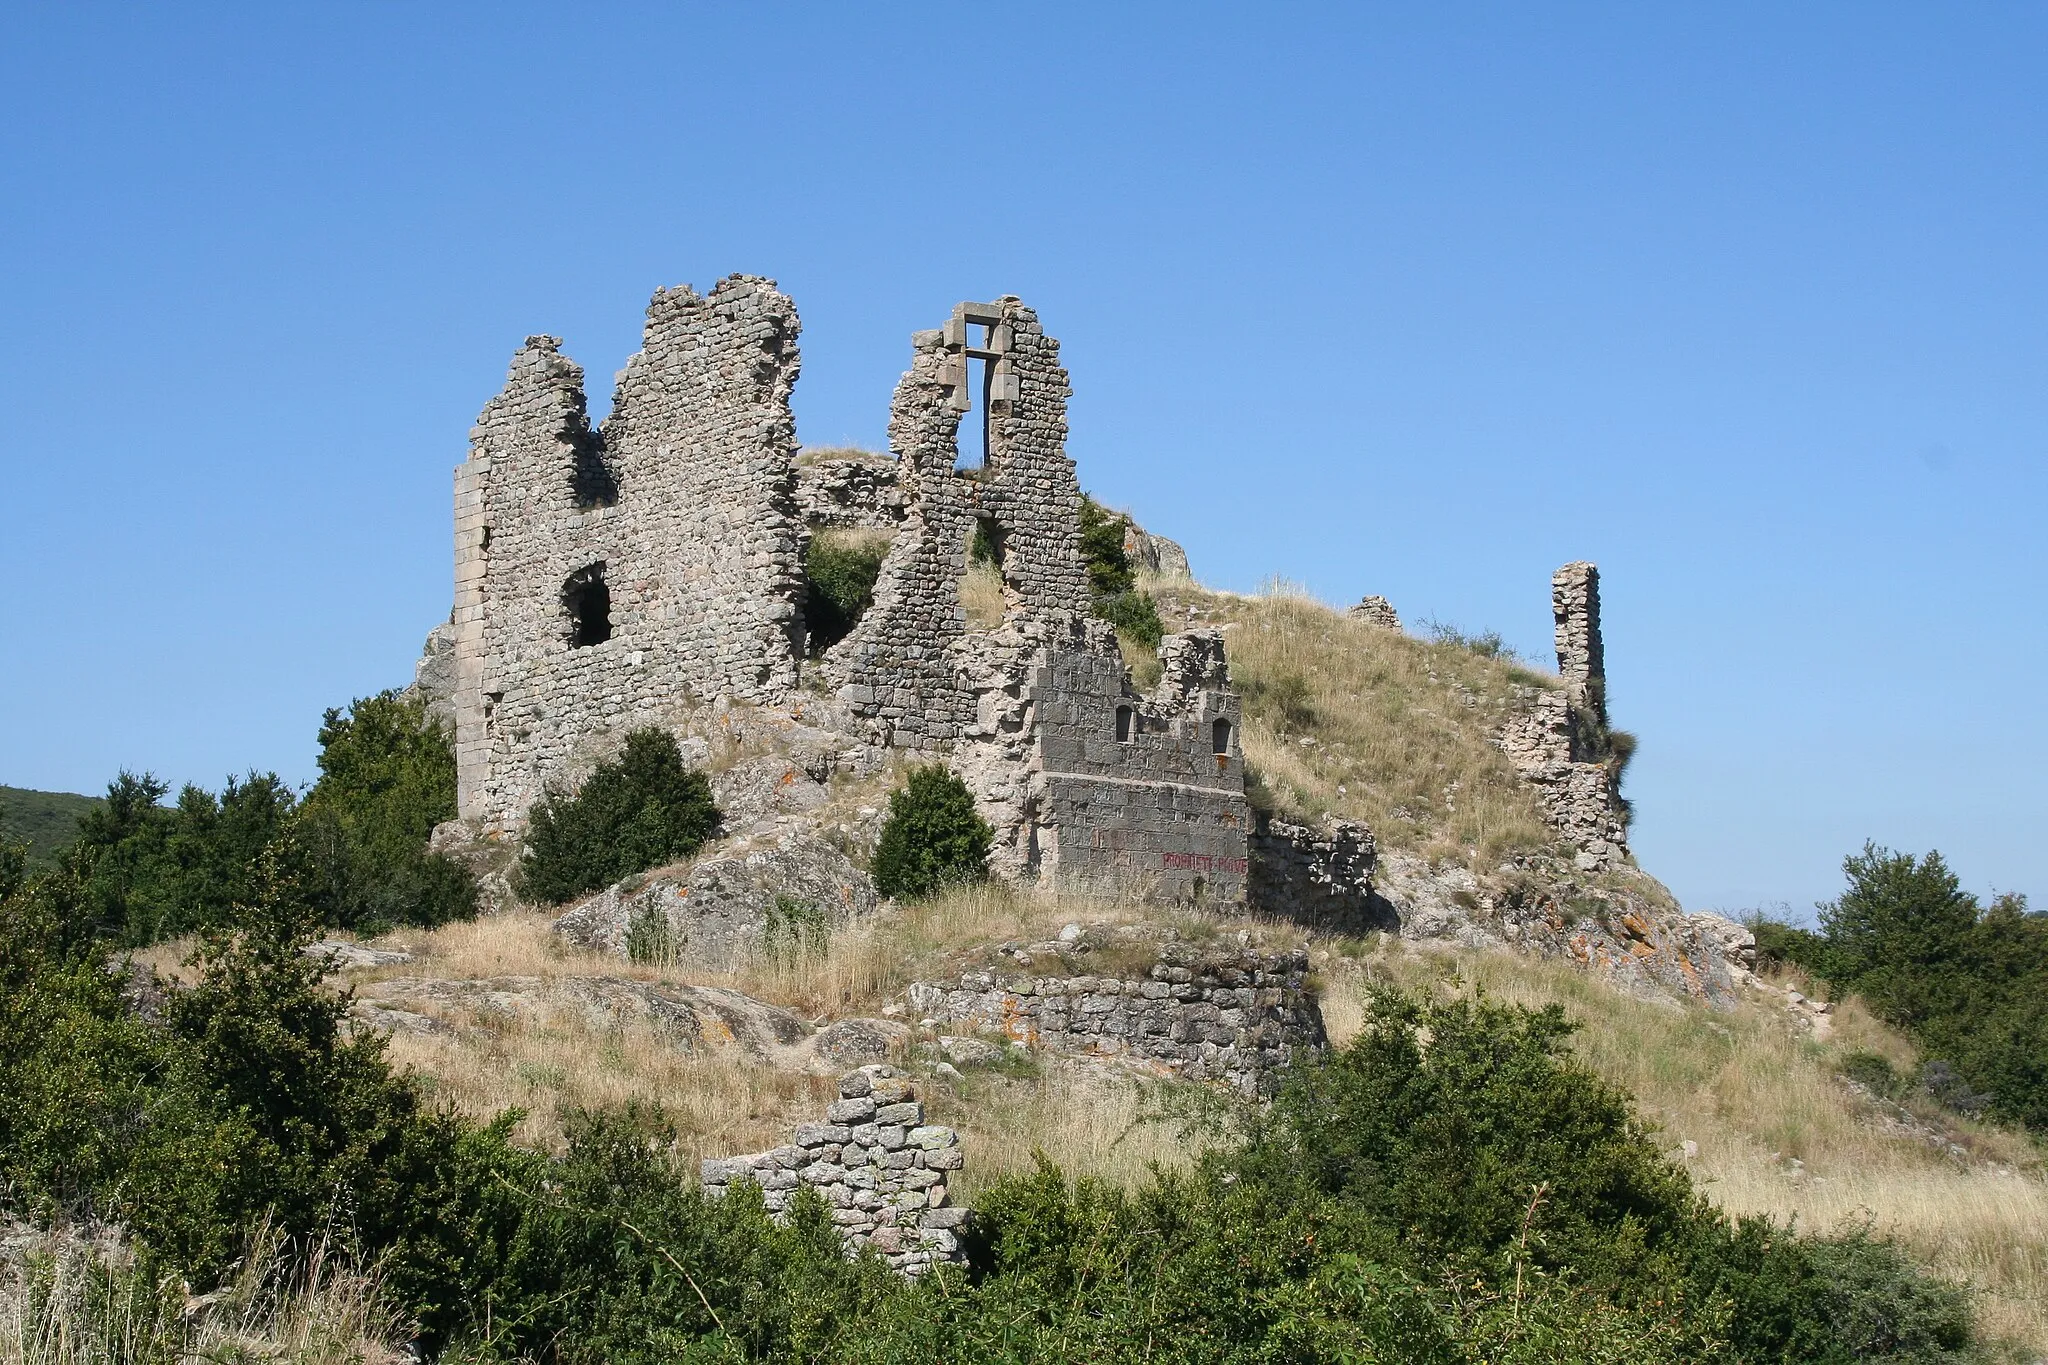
(46, 821)
(1348, 719)
(1400, 730)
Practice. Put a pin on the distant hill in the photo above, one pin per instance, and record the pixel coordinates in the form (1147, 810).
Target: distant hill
(46, 821)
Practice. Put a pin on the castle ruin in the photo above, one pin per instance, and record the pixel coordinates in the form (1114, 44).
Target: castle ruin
(624, 576)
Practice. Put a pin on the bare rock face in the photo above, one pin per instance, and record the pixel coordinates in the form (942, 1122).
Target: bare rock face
(1155, 554)
(772, 784)
(859, 1042)
(694, 1018)
(782, 891)
(876, 1162)
(433, 677)
(1622, 926)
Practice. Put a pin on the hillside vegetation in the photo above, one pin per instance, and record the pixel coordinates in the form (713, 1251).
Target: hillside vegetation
(1349, 719)
(1505, 1159)
(43, 821)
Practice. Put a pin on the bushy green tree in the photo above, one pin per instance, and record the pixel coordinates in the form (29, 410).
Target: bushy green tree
(932, 838)
(387, 778)
(1112, 584)
(641, 810)
(154, 872)
(839, 581)
(1967, 982)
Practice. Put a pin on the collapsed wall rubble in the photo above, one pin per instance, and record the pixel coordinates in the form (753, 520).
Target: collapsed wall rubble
(875, 1162)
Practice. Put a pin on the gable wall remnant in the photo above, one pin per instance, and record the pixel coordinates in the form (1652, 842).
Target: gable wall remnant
(616, 578)
(606, 577)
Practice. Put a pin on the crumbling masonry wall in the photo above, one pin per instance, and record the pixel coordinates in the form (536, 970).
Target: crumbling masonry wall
(617, 578)
(897, 669)
(1088, 784)
(1200, 1013)
(875, 1161)
(1549, 744)
(604, 578)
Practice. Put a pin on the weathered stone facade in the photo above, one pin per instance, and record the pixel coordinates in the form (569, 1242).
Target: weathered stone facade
(852, 492)
(606, 578)
(1553, 744)
(632, 576)
(1201, 1012)
(876, 1162)
(1318, 877)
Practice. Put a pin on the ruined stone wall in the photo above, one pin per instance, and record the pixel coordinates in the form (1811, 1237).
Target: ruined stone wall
(1143, 795)
(1581, 657)
(876, 1162)
(898, 667)
(1203, 1012)
(853, 493)
(1548, 743)
(1318, 877)
(682, 508)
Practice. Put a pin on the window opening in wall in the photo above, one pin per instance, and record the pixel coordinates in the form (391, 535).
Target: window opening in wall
(973, 322)
(1123, 725)
(1219, 737)
(981, 587)
(588, 603)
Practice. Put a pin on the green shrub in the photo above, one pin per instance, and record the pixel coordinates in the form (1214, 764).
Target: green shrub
(793, 928)
(1102, 549)
(153, 872)
(1112, 584)
(839, 580)
(1135, 614)
(1967, 982)
(1486, 644)
(640, 811)
(933, 837)
(387, 778)
(1873, 1071)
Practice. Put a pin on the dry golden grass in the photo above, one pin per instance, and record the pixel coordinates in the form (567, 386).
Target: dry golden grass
(1778, 1132)
(811, 455)
(981, 596)
(557, 1057)
(64, 1301)
(1371, 724)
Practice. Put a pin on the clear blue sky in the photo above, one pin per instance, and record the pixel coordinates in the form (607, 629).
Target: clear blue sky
(1747, 304)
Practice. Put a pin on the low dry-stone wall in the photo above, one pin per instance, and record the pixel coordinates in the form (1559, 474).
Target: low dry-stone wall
(876, 1162)
(1202, 1012)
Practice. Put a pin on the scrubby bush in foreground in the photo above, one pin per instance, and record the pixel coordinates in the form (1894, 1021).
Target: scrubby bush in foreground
(641, 810)
(933, 838)
(1450, 1187)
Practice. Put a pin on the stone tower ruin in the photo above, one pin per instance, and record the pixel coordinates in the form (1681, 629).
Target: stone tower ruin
(626, 576)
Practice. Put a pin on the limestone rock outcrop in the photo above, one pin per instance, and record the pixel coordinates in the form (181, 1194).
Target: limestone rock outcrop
(783, 891)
